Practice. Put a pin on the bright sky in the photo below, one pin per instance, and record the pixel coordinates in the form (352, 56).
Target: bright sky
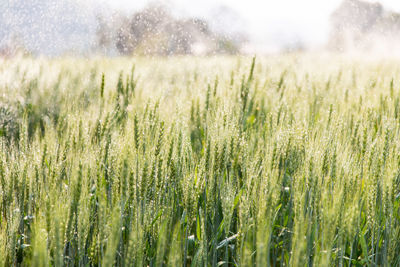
(279, 20)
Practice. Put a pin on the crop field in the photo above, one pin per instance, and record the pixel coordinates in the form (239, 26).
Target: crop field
(186, 161)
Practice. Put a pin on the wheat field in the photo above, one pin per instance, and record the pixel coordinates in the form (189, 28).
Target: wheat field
(185, 161)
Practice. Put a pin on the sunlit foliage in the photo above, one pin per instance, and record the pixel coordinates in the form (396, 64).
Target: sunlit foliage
(199, 162)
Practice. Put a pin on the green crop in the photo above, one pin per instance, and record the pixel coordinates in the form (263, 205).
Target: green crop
(285, 161)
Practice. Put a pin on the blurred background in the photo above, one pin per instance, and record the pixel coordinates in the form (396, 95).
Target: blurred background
(208, 27)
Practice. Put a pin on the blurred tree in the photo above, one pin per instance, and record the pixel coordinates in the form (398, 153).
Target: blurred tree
(13, 46)
(361, 25)
(154, 31)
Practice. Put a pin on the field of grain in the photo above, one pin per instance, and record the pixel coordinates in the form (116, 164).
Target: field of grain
(184, 161)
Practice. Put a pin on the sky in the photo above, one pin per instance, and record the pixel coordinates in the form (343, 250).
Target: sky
(55, 26)
(265, 20)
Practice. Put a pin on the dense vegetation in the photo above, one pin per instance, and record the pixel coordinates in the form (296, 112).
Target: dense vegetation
(188, 161)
